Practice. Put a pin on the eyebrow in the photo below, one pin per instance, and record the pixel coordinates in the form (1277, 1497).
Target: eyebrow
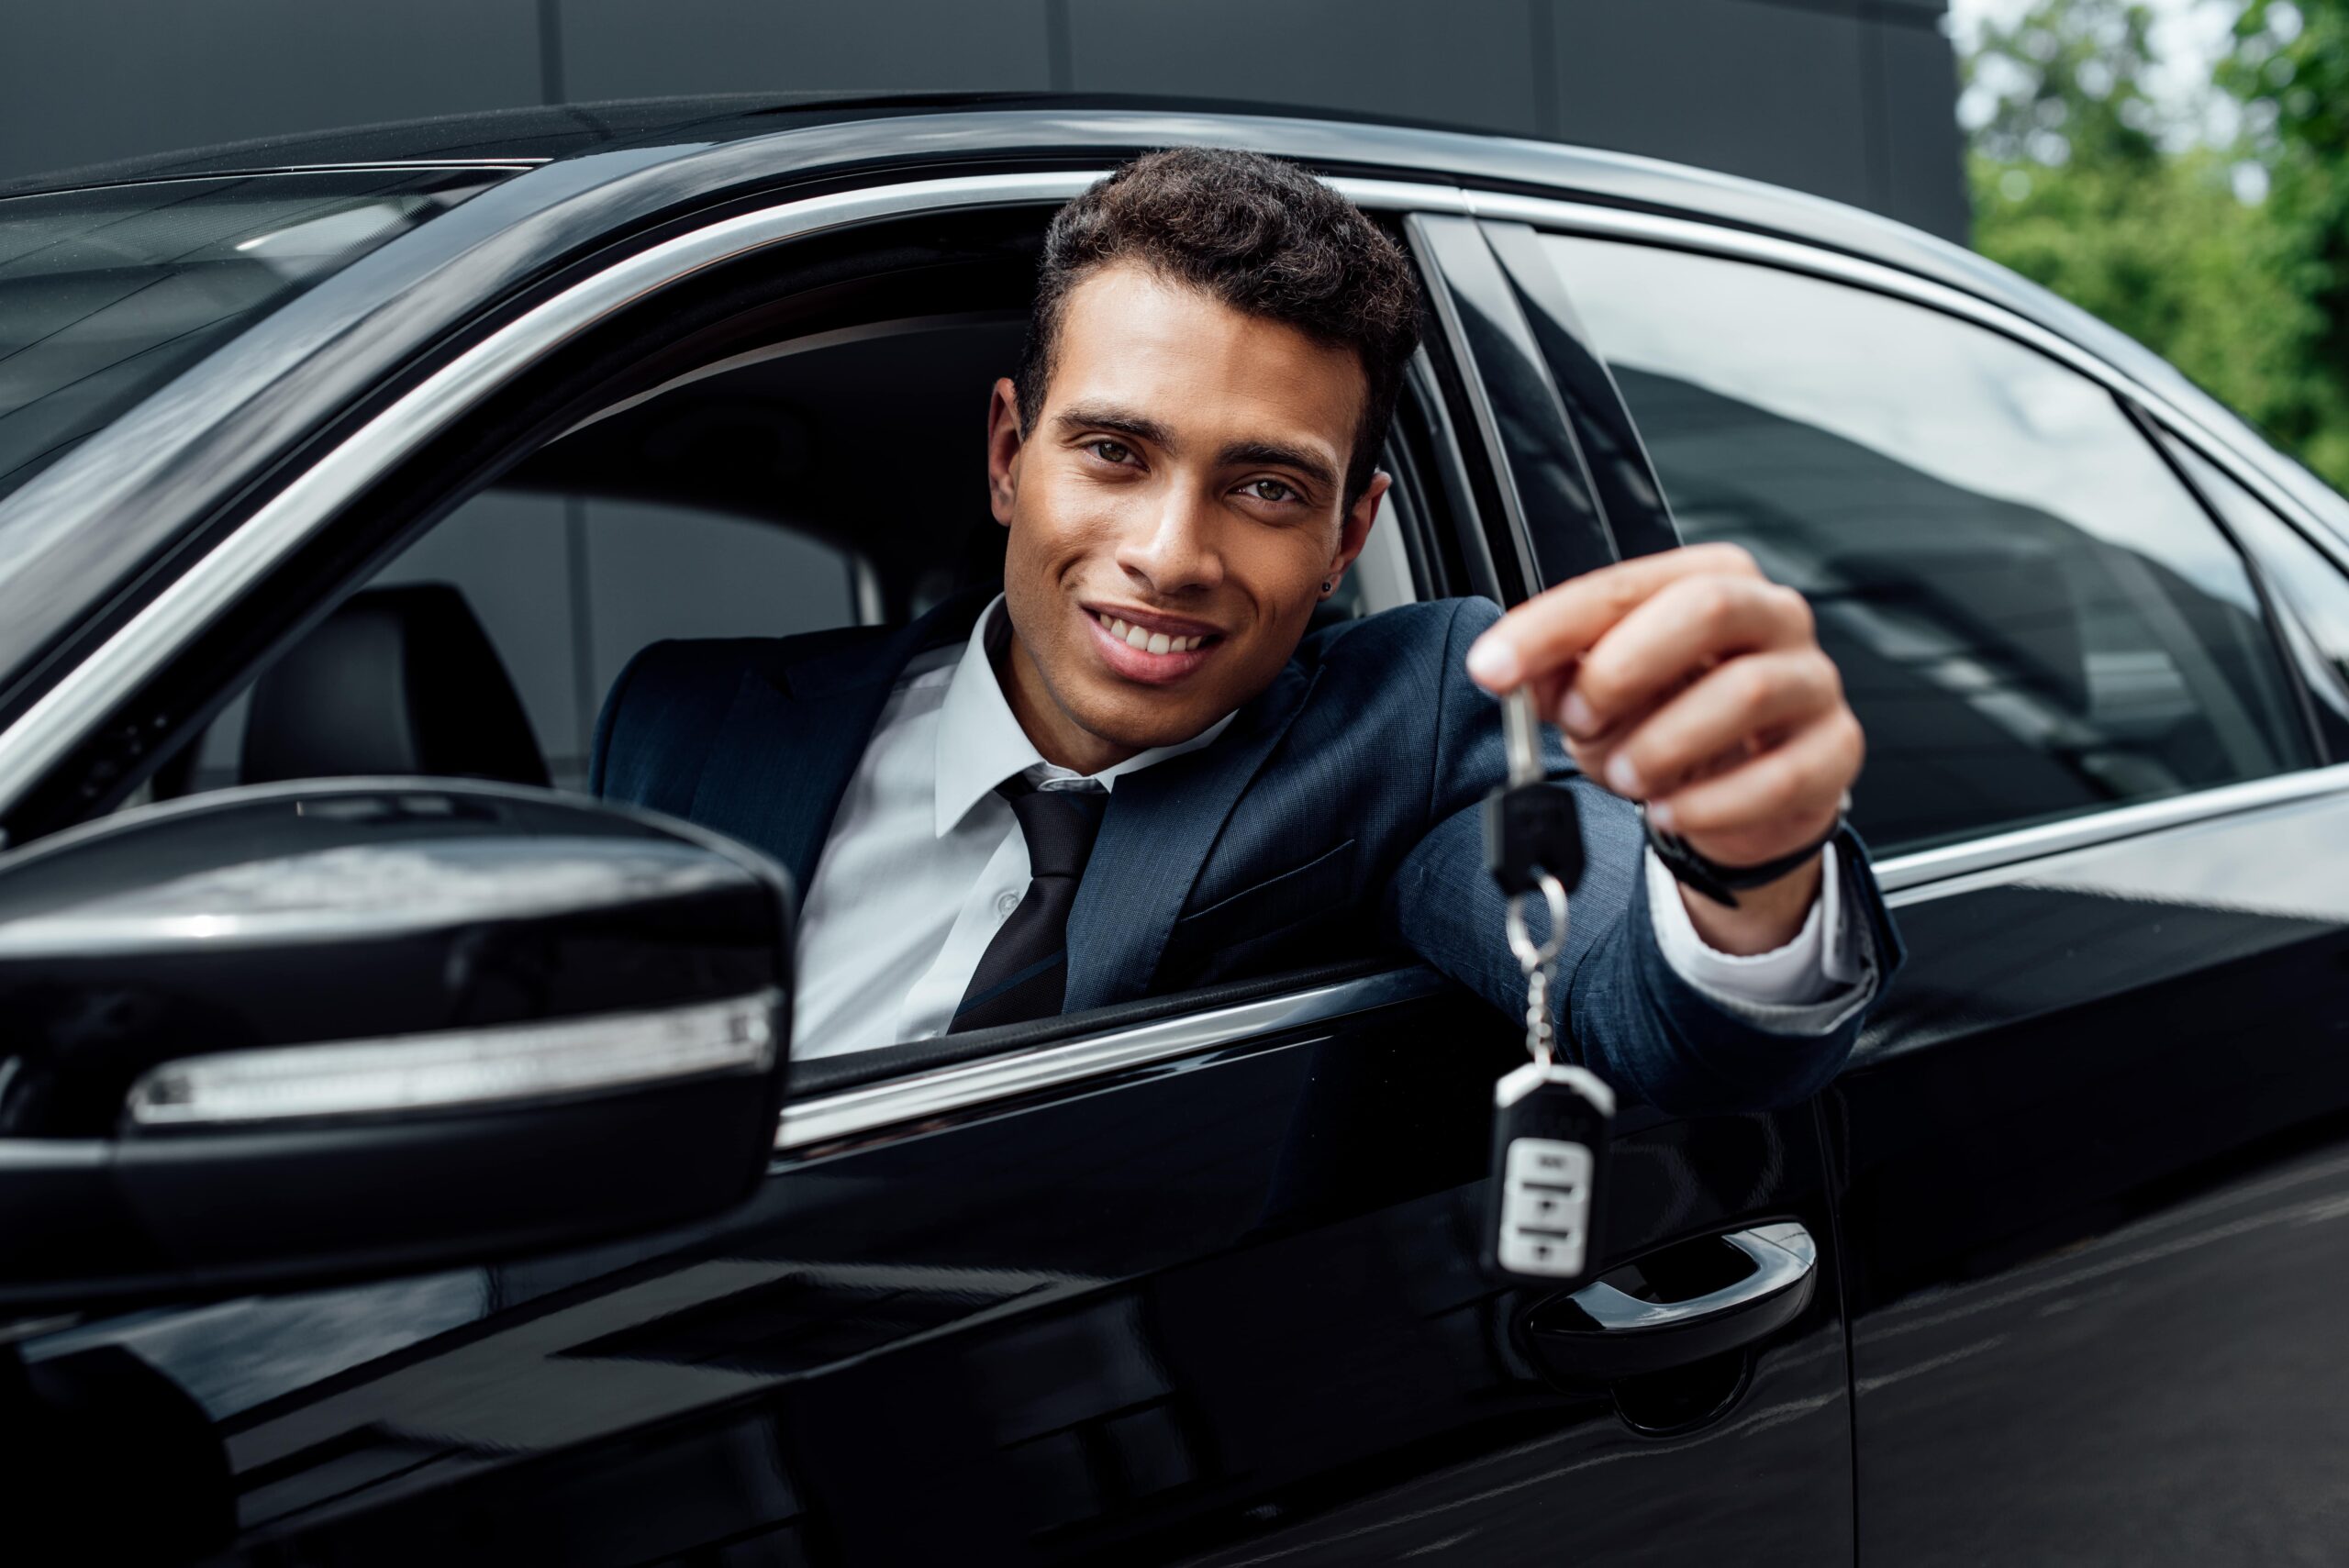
(1273, 454)
(1104, 416)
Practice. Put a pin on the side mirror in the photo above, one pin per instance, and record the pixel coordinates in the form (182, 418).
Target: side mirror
(320, 1031)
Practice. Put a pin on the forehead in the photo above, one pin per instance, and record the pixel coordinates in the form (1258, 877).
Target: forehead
(1130, 336)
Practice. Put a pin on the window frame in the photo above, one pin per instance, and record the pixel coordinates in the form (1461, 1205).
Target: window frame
(2004, 848)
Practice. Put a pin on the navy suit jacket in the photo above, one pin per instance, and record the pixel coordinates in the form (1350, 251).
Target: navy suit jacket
(1336, 817)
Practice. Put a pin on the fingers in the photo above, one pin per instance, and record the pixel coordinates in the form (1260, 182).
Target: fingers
(1560, 623)
(1706, 728)
(1772, 804)
(1691, 681)
(1675, 636)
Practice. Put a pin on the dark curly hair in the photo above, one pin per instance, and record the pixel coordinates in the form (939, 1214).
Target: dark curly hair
(1264, 237)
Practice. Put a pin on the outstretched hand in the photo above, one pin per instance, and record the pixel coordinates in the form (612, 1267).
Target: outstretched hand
(1691, 680)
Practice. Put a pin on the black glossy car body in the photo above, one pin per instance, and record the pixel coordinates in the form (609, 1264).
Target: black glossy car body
(1198, 1282)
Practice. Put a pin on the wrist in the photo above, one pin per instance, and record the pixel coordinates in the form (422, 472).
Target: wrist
(1745, 909)
(1727, 884)
(1763, 918)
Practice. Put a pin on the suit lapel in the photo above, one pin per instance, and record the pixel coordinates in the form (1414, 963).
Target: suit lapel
(794, 733)
(1155, 838)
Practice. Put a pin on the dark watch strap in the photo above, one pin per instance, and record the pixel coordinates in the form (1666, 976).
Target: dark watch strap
(1720, 883)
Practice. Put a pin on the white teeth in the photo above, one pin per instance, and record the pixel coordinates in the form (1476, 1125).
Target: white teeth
(1149, 641)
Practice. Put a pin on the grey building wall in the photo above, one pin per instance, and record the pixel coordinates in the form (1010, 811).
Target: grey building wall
(1853, 99)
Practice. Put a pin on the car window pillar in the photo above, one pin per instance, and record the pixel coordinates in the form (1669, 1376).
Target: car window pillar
(1551, 525)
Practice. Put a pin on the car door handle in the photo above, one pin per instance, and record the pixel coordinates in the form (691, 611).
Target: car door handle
(1600, 1334)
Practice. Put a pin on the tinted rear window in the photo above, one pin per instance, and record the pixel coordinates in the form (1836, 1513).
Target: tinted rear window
(107, 294)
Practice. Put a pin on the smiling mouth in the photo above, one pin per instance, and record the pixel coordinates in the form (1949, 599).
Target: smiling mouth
(1146, 641)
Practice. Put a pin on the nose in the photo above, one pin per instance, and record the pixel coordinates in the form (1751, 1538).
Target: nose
(1173, 549)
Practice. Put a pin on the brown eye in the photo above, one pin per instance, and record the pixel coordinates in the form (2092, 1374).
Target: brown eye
(1271, 490)
(1112, 452)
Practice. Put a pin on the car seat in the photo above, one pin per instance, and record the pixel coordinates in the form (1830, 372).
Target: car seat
(396, 680)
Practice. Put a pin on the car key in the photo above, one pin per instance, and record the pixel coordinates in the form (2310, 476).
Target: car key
(1550, 1120)
(1529, 823)
(1549, 1132)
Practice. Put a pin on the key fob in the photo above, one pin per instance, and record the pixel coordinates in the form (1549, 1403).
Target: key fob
(1549, 1136)
(1531, 825)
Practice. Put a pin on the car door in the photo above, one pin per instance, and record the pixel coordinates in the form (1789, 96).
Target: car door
(1196, 1282)
(2092, 1155)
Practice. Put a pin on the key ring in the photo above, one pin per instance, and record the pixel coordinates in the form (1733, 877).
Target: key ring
(1530, 957)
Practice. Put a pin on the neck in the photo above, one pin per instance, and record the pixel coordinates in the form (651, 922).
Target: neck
(1058, 737)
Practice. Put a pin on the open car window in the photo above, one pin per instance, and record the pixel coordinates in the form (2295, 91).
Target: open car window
(778, 484)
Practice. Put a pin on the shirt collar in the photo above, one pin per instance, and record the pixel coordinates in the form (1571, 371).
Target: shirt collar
(980, 743)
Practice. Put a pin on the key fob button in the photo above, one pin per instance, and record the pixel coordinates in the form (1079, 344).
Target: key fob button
(1534, 1253)
(1549, 1162)
(1559, 1209)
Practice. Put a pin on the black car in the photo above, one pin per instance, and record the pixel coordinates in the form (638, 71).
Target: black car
(390, 1165)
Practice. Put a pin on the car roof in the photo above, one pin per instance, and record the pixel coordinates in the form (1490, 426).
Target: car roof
(539, 134)
(522, 136)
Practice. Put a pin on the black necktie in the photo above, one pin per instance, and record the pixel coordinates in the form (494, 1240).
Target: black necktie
(1024, 972)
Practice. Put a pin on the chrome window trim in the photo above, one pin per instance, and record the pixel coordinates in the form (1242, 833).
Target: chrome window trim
(1924, 868)
(1405, 195)
(816, 1125)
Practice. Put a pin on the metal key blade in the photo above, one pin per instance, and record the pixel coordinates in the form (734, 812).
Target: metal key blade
(1521, 734)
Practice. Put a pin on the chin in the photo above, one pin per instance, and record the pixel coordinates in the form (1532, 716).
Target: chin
(1147, 728)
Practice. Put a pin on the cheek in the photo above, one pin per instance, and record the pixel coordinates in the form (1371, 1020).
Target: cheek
(1285, 568)
(1063, 525)
(1033, 566)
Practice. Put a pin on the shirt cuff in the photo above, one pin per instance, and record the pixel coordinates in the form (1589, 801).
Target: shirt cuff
(1817, 966)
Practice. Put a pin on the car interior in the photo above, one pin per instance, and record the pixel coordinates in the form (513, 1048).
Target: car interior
(807, 485)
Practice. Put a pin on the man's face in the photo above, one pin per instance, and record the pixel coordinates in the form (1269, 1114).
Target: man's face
(1174, 514)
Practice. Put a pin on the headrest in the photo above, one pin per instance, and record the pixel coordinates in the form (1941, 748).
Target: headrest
(396, 680)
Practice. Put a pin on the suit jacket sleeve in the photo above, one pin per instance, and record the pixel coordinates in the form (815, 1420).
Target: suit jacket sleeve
(1622, 1010)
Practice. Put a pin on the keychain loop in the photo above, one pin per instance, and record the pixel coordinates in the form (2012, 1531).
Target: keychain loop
(1536, 960)
(1531, 958)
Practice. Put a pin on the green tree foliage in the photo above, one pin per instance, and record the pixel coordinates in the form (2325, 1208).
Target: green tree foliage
(2074, 188)
(2289, 69)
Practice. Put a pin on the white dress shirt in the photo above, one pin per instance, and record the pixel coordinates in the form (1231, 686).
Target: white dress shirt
(926, 862)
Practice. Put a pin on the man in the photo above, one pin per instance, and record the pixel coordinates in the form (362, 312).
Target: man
(1134, 771)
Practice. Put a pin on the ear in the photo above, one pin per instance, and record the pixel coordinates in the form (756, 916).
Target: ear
(1353, 531)
(1004, 442)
